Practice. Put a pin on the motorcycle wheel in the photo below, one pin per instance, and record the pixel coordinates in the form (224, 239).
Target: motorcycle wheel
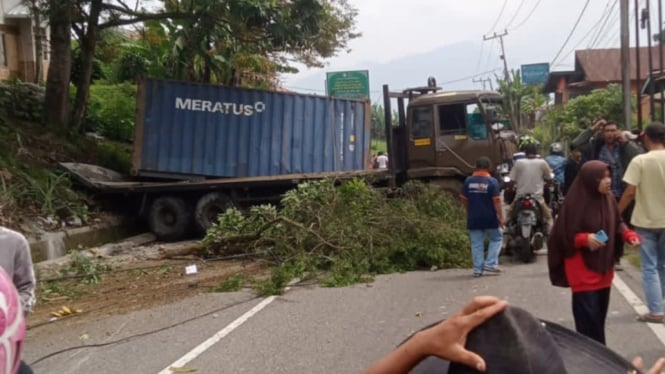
(524, 251)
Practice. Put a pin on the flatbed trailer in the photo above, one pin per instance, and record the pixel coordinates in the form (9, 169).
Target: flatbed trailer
(171, 207)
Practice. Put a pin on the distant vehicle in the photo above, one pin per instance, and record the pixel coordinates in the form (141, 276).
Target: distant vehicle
(200, 149)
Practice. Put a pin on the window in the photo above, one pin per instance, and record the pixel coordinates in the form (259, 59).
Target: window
(421, 125)
(452, 119)
(3, 51)
(476, 127)
(462, 119)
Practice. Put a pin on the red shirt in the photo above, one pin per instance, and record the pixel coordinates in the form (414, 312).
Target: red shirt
(580, 278)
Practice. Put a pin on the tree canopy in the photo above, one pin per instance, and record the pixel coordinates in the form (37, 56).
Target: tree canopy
(231, 42)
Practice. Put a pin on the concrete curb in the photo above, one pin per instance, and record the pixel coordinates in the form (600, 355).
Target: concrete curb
(51, 245)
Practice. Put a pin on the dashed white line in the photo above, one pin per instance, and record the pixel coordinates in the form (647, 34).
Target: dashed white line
(198, 350)
(639, 307)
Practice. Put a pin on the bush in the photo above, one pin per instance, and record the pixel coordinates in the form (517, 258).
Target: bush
(346, 234)
(112, 110)
(115, 156)
(22, 101)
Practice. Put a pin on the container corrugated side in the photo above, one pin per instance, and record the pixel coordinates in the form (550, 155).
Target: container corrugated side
(185, 130)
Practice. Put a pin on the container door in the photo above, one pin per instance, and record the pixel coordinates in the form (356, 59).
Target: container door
(421, 150)
(462, 136)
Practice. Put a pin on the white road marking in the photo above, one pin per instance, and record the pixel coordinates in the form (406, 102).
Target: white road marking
(198, 350)
(639, 307)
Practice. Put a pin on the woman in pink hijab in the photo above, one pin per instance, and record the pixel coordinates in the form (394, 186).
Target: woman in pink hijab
(12, 326)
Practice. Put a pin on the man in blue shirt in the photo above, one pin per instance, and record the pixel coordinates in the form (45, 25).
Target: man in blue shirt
(556, 161)
(482, 199)
(614, 148)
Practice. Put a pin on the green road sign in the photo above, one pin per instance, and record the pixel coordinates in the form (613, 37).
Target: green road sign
(348, 84)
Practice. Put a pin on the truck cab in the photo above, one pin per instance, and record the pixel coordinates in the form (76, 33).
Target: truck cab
(440, 135)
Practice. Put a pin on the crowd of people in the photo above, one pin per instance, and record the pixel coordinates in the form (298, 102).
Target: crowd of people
(613, 184)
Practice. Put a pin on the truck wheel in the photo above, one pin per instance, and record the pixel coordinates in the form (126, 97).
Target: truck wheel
(170, 218)
(209, 207)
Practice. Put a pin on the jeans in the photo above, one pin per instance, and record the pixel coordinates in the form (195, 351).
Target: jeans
(478, 248)
(652, 258)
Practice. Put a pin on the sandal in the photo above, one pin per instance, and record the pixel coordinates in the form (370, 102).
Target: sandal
(649, 318)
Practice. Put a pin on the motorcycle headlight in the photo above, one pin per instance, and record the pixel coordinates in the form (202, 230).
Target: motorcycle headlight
(506, 179)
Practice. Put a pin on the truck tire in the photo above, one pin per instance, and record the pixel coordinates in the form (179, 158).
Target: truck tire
(209, 207)
(170, 218)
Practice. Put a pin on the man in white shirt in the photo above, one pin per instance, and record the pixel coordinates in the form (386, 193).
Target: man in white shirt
(644, 179)
(529, 174)
(382, 161)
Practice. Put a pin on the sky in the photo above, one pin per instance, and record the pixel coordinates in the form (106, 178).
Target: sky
(537, 31)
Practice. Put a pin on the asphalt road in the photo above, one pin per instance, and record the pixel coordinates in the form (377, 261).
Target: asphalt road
(318, 330)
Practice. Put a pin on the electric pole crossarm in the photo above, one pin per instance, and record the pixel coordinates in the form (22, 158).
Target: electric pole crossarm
(503, 51)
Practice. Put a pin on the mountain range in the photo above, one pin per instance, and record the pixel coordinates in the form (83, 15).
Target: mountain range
(453, 67)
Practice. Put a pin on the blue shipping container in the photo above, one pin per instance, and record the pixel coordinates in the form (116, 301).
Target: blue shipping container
(186, 130)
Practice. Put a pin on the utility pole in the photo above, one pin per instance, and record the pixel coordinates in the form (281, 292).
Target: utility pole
(503, 52)
(625, 64)
(660, 57)
(482, 81)
(638, 73)
(646, 19)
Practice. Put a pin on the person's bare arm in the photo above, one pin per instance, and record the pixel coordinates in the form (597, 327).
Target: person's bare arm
(499, 210)
(445, 340)
(627, 197)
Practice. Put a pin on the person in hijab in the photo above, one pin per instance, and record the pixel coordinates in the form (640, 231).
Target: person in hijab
(581, 247)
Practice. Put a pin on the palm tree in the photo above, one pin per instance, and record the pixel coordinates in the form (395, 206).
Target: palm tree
(533, 103)
(513, 91)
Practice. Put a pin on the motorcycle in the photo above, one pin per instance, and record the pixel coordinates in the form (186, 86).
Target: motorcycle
(525, 228)
(553, 196)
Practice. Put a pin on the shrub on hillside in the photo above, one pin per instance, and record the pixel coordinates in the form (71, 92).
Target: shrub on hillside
(346, 234)
(22, 101)
(112, 110)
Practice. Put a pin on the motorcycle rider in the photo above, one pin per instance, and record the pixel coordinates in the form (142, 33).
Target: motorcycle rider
(556, 161)
(529, 175)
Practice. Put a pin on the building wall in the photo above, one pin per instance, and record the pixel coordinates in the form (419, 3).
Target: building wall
(12, 52)
(20, 51)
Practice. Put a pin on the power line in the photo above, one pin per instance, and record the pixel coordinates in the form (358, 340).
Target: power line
(510, 22)
(503, 52)
(469, 77)
(579, 18)
(499, 17)
(480, 57)
(482, 81)
(616, 33)
(489, 54)
(527, 16)
(596, 40)
(588, 33)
